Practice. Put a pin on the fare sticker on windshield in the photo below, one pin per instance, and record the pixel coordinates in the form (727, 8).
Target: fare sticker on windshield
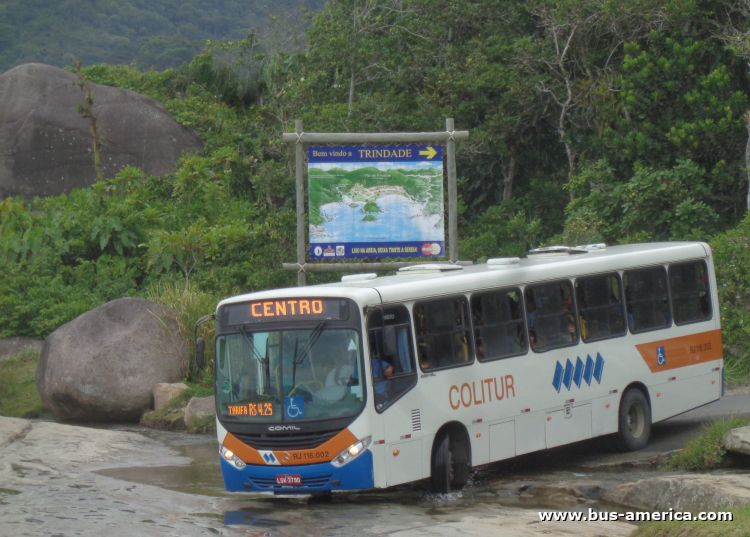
(251, 409)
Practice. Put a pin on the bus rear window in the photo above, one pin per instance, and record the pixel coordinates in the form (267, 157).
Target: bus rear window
(601, 312)
(646, 299)
(498, 325)
(688, 285)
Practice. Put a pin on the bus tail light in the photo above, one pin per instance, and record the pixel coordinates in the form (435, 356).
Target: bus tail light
(231, 457)
(351, 452)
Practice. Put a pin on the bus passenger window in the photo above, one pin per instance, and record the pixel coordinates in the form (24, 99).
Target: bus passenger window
(601, 313)
(550, 315)
(688, 286)
(443, 335)
(391, 354)
(646, 299)
(498, 325)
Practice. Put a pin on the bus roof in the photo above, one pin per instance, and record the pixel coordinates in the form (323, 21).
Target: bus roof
(418, 284)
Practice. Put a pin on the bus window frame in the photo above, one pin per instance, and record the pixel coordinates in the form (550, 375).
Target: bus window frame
(471, 351)
(669, 299)
(369, 357)
(708, 291)
(524, 327)
(617, 275)
(578, 339)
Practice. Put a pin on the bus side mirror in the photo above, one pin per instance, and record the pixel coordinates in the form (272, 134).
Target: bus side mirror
(200, 349)
(390, 344)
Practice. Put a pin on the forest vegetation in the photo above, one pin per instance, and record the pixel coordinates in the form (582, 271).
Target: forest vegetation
(151, 35)
(610, 121)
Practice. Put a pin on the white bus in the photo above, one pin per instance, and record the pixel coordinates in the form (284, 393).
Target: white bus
(377, 381)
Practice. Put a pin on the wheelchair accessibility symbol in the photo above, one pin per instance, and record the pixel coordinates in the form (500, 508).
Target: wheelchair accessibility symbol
(294, 407)
(661, 357)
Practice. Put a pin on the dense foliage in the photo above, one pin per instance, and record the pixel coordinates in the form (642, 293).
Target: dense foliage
(590, 120)
(155, 35)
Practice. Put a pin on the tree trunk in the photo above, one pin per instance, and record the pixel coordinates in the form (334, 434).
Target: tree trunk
(746, 117)
(508, 179)
(351, 89)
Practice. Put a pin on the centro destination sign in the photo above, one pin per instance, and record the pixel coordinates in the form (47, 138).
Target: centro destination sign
(376, 201)
(286, 309)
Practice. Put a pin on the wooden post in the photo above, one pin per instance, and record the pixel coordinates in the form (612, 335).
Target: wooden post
(452, 193)
(300, 154)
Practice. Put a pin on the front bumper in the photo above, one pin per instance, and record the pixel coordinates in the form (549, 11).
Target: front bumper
(356, 475)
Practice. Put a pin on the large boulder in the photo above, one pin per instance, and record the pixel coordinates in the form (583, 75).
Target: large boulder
(737, 440)
(46, 146)
(199, 410)
(693, 493)
(103, 365)
(164, 392)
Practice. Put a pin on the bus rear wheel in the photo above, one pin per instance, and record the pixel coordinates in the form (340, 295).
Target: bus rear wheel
(634, 427)
(441, 467)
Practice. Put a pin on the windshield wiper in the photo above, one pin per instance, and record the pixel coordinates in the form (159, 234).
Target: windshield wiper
(311, 340)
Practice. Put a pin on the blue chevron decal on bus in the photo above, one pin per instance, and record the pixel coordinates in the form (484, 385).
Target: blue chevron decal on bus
(589, 369)
(575, 374)
(568, 374)
(579, 372)
(598, 368)
(557, 381)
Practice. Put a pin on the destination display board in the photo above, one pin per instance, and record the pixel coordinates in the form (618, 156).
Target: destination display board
(285, 309)
(376, 201)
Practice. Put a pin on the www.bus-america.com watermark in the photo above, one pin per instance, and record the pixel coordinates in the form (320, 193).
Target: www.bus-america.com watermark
(637, 516)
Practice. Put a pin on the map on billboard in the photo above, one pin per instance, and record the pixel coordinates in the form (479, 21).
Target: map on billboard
(376, 201)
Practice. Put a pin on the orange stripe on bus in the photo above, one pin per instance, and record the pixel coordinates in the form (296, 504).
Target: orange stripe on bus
(324, 453)
(683, 351)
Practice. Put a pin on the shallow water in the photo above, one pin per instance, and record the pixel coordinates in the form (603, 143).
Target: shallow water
(538, 481)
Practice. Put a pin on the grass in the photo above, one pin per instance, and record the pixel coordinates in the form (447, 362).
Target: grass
(190, 306)
(706, 451)
(736, 369)
(18, 395)
(740, 526)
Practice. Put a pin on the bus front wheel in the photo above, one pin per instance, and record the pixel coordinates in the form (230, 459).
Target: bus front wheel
(634, 427)
(441, 466)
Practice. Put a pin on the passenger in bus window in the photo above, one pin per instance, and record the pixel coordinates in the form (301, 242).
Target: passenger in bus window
(480, 348)
(423, 354)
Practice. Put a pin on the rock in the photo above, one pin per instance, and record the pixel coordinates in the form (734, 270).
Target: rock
(200, 409)
(683, 493)
(737, 440)
(46, 146)
(102, 366)
(164, 393)
(14, 345)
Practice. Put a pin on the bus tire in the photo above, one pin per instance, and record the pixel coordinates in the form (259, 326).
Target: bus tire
(634, 427)
(441, 466)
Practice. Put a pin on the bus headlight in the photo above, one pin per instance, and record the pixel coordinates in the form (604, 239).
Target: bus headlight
(231, 457)
(352, 452)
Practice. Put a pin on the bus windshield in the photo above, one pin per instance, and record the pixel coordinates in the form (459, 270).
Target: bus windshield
(289, 375)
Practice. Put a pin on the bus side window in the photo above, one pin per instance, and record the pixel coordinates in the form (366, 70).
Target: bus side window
(443, 334)
(498, 325)
(688, 286)
(393, 370)
(601, 313)
(550, 314)
(646, 299)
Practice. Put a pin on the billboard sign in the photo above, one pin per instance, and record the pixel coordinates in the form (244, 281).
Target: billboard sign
(376, 201)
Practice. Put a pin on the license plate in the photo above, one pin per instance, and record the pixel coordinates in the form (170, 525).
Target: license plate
(288, 480)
